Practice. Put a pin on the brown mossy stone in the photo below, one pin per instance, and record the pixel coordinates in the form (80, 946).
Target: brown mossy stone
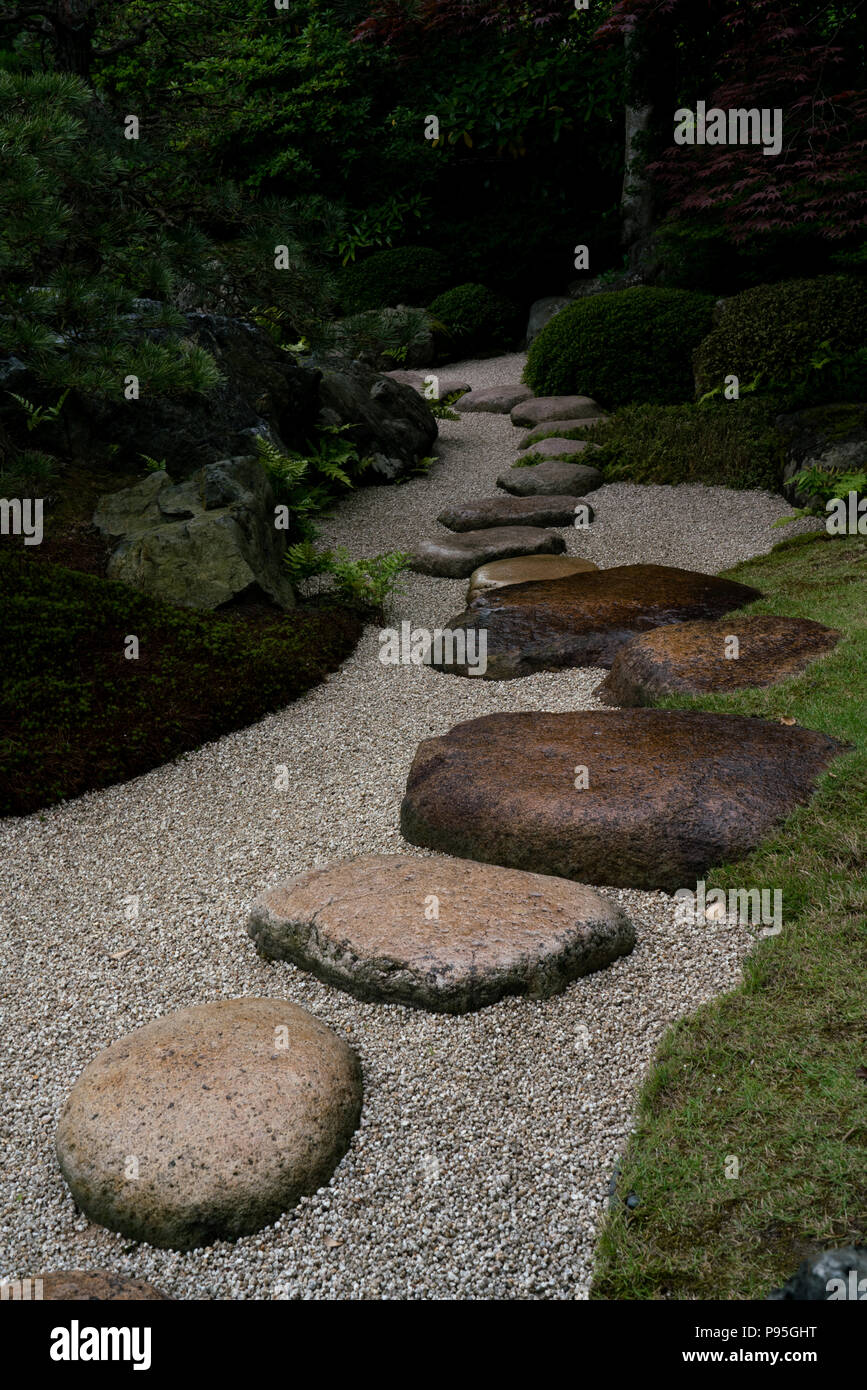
(456, 555)
(668, 794)
(583, 619)
(91, 1285)
(524, 568)
(691, 658)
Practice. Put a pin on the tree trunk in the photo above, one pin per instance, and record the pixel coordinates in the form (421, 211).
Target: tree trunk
(73, 27)
(636, 202)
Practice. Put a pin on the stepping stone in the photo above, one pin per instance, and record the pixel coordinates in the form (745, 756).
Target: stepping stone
(512, 511)
(557, 448)
(584, 619)
(690, 658)
(543, 408)
(417, 380)
(456, 556)
(446, 935)
(500, 573)
(562, 427)
(87, 1285)
(554, 478)
(494, 400)
(634, 798)
(208, 1123)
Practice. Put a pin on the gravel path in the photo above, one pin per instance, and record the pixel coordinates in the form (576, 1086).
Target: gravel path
(487, 1141)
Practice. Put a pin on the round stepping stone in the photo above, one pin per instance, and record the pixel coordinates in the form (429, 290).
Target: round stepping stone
(512, 511)
(500, 573)
(543, 408)
(554, 478)
(634, 798)
(87, 1285)
(456, 556)
(557, 448)
(207, 1124)
(562, 428)
(494, 400)
(692, 658)
(446, 935)
(583, 619)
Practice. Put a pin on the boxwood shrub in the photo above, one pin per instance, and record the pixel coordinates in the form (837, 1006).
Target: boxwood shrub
(411, 275)
(476, 319)
(631, 346)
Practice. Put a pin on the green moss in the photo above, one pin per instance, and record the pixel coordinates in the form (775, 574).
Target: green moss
(631, 346)
(722, 443)
(475, 319)
(769, 1073)
(75, 714)
(410, 275)
(777, 329)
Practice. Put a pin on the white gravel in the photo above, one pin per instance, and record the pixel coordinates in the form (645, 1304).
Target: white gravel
(487, 1141)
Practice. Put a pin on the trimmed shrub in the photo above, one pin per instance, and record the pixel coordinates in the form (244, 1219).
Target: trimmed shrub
(784, 331)
(722, 444)
(401, 275)
(476, 319)
(631, 346)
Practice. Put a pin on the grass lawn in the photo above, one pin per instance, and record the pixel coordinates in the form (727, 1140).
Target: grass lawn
(774, 1072)
(76, 714)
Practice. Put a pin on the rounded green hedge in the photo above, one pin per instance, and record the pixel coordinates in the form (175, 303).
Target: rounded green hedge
(625, 347)
(476, 319)
(778, 329)
(401, 275)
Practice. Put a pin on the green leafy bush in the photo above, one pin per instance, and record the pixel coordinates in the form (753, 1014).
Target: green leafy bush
(476, 319)
(723, 443)
(790, 333)
(383, 338)
(401, 275)
(631, 346)
(309, 483)
(76, 715)
(364, 585)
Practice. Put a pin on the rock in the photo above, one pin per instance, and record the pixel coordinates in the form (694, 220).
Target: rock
(669, 792)
(834, 1275)
(558, 448)
(418, 381)
(554, 478)
(500, 573)
(544, 408)
(583, 619)
(83, 1285)
(456, 556)
(495, 400)
(199, 544)
(264, 393)
(510, 511)
(389, 422)
(209, 1123)
(690, 658)
(541, 312)
(829, 437)
(366, 926)
(562, 427)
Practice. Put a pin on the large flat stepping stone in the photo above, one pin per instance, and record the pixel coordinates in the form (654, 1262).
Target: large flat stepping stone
(500, 573)
(447, 935)
(557, 448)
(208, 1123)
(90, 1285)
(456, 556)
(513, 511)
(634, 798)
(547, 428)
(693, 658)
(542, 408)
(551, 479)
(494, 400)
(584, 619)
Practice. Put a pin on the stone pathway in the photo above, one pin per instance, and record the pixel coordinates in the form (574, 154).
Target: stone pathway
(481, 1161)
